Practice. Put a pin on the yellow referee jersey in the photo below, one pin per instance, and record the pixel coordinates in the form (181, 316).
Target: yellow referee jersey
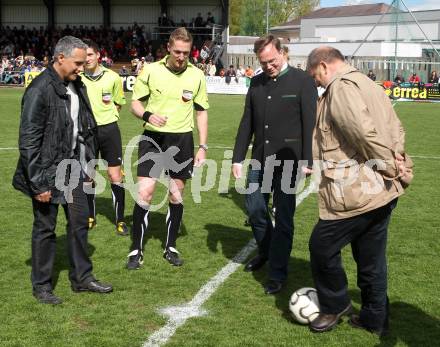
(104, 92)
(171, 94)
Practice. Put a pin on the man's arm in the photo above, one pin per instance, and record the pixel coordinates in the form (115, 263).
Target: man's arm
(309, 95)
(141, 92)
(202, 126)
(32, 128)
(118, 94)
(351, 116)
(137, 108)
(243, 138)
(201, 106)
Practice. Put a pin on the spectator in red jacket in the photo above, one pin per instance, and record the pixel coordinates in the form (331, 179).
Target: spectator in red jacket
(195, 54)
(414, 78)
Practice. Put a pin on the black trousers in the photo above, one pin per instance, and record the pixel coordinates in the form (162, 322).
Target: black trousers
(44, 241)
(367, 234)
(274, 243)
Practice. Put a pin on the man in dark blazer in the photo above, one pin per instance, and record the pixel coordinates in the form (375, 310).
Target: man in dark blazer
(279, 115)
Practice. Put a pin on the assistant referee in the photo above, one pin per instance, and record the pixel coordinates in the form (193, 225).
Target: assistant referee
(172, 89)
(104, 89)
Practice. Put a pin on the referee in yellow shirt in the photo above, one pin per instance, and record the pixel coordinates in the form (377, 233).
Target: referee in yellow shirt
(171, 89)
(104, 88)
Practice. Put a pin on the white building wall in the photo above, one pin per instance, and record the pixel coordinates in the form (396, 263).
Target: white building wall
(29, 15)
(124, 16)
(312, 28)
(78, 15)
(240, 49)
(368, 49)
(410, 50)
(406, 31)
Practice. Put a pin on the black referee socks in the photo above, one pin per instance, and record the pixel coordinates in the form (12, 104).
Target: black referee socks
(118, 196)
(140, 225)
(173, 220)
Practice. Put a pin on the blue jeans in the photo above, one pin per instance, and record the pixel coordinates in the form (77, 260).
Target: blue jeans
(274, 242)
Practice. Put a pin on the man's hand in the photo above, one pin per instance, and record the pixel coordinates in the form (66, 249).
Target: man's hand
(306, 170)
(236, 170)
(43, 197)
(400, 164)
(157, 120)
(200, 157)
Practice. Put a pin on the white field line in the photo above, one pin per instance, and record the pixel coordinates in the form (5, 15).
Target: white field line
(230, 148)
(424, 157)
(210, 147)
(226, 147)
(178, 315)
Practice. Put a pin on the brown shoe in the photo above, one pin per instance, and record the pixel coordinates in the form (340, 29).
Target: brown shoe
(355, 322)
(326, 322)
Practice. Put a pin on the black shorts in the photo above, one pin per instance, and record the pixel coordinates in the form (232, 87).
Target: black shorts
(172, 152)
(110, 144)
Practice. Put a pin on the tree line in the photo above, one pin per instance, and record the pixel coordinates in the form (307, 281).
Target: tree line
(248, 17)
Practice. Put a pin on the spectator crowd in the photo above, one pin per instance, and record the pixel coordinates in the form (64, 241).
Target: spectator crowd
(432, 78)
(25, 49)
(12, 70)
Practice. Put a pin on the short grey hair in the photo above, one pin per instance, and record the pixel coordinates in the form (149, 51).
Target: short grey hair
(66, 45)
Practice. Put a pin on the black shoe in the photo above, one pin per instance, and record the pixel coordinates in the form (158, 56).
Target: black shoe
(93, 286)
(122, 229)
(326, 322)
(135, 260)
(273, 287)
(47, 297)
(255, 263)
(172, 255)
(355, 322)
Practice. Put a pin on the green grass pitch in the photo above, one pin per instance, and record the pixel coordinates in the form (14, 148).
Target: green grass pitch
(239, 314)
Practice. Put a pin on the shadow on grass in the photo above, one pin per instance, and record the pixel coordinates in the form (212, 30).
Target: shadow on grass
(409, 325)
(299, 269)
(61, 258)
(299, 276)
(237, 199)
(230, 239)
(104, 207)
(157, 229)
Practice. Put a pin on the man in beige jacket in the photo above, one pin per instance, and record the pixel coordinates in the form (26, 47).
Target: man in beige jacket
(359, 144)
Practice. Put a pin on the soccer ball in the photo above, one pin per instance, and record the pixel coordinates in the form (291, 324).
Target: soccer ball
(304, 305)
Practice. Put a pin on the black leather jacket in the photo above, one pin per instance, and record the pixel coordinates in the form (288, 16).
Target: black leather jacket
(46, 130)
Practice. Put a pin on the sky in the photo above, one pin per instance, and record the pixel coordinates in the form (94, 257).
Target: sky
(413, 5)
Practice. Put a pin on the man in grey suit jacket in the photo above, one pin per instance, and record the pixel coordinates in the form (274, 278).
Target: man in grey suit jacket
(279, 115)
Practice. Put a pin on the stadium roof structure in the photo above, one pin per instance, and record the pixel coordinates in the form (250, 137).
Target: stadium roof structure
(106, 12)
(113, 2)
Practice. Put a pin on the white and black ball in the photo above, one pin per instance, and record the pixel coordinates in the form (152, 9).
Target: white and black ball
(304, 305)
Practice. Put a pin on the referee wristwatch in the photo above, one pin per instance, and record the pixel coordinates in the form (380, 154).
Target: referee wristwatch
(204, 147)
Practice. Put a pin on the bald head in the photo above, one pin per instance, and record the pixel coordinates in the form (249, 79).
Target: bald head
(325, 54)
(323, 63)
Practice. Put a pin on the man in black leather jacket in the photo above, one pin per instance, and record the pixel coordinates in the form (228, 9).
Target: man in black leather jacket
(57, 124)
